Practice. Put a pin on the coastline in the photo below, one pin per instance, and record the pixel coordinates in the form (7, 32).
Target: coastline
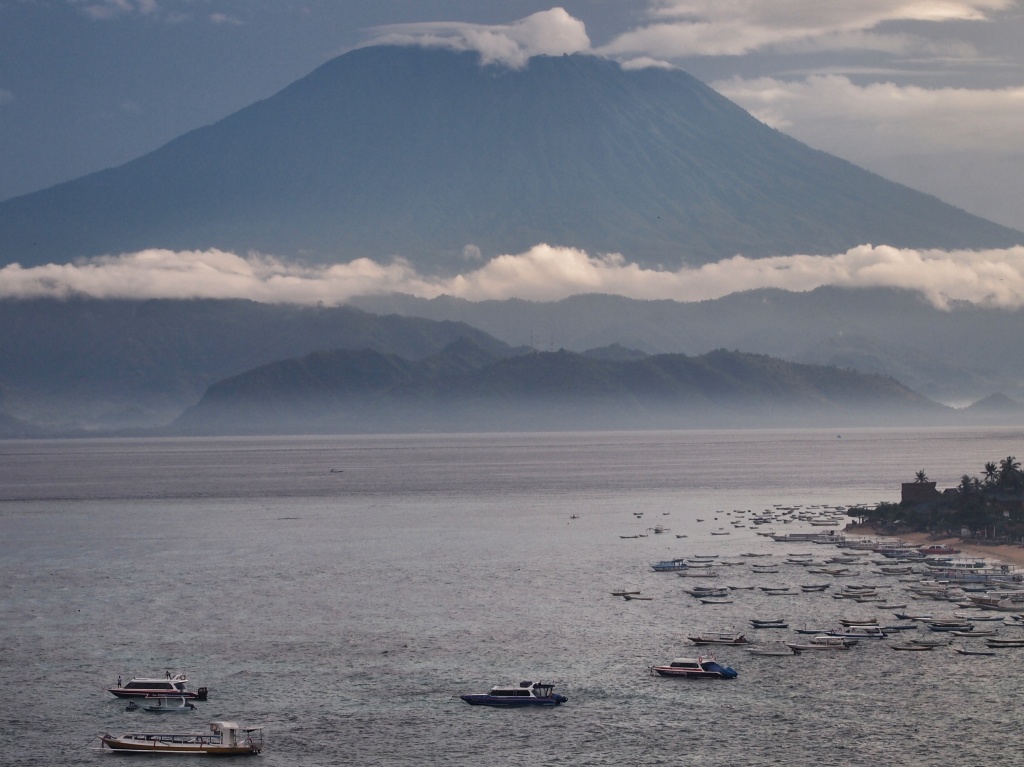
(1013, 555)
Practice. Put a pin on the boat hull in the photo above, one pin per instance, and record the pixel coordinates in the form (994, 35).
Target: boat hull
(498, 701)
(692, 673)
(199, 745)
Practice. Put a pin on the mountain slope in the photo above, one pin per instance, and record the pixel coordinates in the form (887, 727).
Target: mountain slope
(346, 391)
(91, 363)
(417, 152)
(954, 355)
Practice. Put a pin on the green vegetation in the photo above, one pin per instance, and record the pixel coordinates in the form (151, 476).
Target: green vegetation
(989, 507)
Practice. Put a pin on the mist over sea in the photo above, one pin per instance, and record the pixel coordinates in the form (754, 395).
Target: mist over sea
(341, 591)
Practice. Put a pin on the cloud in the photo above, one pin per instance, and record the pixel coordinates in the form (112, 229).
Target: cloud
(681, 28)
(993, 278)
(109, 9)
(224, 18)
(552, 32)
(832, 113)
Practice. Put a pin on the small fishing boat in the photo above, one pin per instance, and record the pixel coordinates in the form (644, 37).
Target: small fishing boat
(822, 642)
(224, 739)
(769, 623)
(718, 637)
(669, 565)
(517, 695)
(811, 587)
(624, 592)
(912, 646)
(702, 667)
(965, 651)
(997, 642)
(637, 595)
(859, 632)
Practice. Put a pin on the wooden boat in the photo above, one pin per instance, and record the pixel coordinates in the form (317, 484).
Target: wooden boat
(638, 595)
(811, 587)
(912, 646)
(822, 642)
(224, 739)
(623, 592)
(517, 696)
(965, 651)
(715, 600)
(769, 623)
(718, 637)
(997, 642)
(702, 667)
(669, 565)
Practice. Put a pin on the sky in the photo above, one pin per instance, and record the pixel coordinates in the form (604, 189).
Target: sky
(929, 93)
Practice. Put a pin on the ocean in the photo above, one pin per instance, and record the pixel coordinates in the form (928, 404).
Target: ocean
(343, 591)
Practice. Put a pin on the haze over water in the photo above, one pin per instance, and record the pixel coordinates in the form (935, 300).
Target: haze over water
(340, 591)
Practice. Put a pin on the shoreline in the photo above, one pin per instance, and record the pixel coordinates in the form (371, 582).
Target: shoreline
(1012, 555)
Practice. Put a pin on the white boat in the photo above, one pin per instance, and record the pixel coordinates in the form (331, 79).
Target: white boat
(718, 637)
(224, 739)
(517, 696)
(822, 642)
(144, 687)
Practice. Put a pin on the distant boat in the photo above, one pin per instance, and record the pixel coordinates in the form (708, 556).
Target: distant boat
(703, 667)
(224, 739)
(517, 696)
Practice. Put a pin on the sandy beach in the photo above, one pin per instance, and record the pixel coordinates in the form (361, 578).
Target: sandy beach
(1013, 555)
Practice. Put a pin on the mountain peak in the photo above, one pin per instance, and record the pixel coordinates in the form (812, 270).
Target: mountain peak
(419, 152)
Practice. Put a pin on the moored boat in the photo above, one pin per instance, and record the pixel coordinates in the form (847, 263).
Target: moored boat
(822, 642)
(718, 637)
(701, 667)
(143, 687)
(224, 739)
(669, 565)
(517, 695)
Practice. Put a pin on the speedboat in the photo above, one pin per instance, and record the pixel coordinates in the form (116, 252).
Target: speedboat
(142, 687)
(522, 694)
(224, 739)
(702, 667)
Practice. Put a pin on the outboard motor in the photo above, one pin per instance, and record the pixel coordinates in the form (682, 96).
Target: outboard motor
(201, 693)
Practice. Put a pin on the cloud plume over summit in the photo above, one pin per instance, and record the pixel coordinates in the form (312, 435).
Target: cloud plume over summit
(993, 278)
(552, 32)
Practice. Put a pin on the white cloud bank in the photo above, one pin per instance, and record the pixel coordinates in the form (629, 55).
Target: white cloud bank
(682, 28)
(878, 119)
(993, 278)
(552, 32)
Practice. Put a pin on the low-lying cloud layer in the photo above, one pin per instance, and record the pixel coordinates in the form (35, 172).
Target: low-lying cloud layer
(992, 278)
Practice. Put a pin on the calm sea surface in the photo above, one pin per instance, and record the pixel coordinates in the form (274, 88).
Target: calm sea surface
(341, 591)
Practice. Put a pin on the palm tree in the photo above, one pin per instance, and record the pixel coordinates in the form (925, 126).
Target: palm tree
(991, 473)
(920, 476)
(1009, 472)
